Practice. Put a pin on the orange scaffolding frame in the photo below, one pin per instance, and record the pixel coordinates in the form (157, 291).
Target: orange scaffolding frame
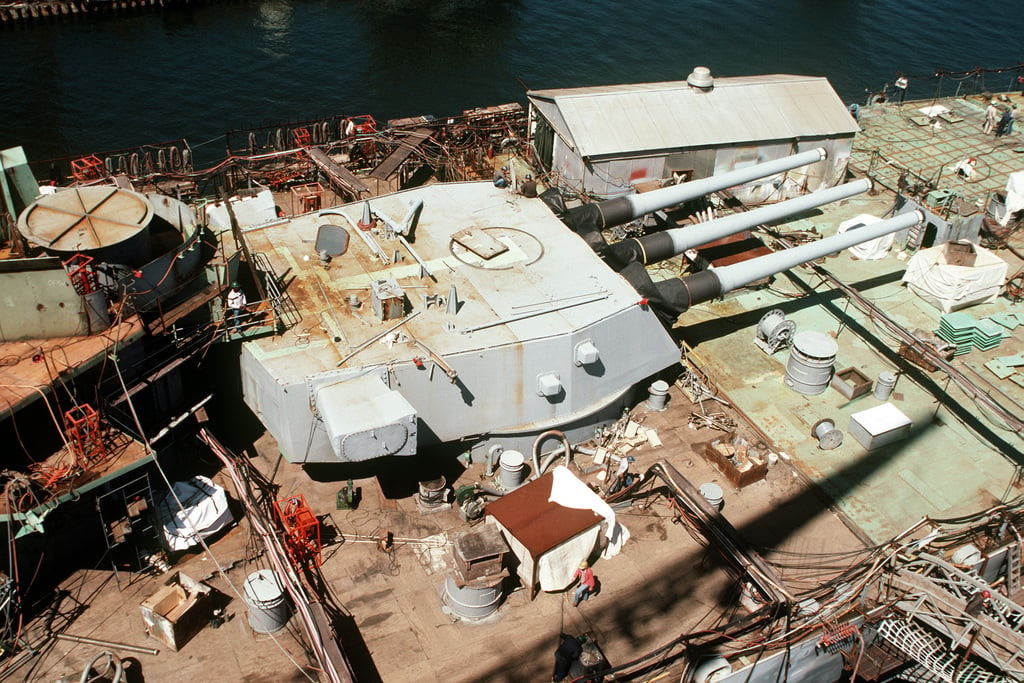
(301, 531)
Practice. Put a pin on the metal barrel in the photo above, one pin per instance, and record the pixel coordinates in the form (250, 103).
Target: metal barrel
(512, 472)
(267, 600)
(884, 386)
(475, 600)
(812, 357)
(713, 494)
(657, 397)
(710, 284)
(662, 245)
(432, 493)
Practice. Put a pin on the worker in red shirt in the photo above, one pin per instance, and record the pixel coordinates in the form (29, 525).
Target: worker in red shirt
(586, 576)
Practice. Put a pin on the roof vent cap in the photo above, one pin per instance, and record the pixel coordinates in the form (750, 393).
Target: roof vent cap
(700, 78)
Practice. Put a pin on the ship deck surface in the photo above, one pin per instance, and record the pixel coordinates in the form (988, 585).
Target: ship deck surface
(930, 147)
(663, 583)
(947, 466)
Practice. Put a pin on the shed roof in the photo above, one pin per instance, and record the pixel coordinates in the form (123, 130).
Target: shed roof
(646, 117)
(537, 522)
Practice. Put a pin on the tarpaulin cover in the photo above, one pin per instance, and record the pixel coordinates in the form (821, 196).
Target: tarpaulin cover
(1014, 195)
(949, 287)
(551, 524)
(872, 249)
(205, 512)
(570, 492)
(251, 210)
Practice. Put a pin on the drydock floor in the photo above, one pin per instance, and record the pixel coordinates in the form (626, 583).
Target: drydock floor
(663, 583)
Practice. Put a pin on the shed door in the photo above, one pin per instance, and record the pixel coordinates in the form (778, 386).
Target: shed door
(544, 141)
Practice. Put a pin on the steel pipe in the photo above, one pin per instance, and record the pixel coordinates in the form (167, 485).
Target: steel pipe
(107, 643)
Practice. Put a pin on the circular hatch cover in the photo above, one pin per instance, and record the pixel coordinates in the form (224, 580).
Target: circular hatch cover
(85, 219)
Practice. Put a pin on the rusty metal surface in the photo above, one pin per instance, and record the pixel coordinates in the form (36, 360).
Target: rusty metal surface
(535, 521)
(406, 146)
(532, 276)
(339, 175)
(83, 219)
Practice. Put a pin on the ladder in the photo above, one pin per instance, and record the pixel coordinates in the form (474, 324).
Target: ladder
(285, 309)
(1013, 568)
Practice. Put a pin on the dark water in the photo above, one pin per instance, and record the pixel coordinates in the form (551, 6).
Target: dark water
(89, 85)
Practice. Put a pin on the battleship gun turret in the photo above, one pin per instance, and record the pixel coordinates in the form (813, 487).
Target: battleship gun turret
(503, 324)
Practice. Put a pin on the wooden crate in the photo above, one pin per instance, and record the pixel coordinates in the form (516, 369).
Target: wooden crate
(717, 453)
(178, 610)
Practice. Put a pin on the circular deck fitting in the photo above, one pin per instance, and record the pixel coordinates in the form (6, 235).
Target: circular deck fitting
(85, 219)
(511, 247)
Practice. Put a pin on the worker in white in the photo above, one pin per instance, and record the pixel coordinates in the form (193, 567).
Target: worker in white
(236, 306)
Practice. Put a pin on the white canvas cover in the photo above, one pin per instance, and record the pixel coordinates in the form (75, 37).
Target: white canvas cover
(205, 512)
(570, 492)
(1014, 196)
(556, 567)
(553, 569)
(872, 249)
(254, 209)
(950, 288)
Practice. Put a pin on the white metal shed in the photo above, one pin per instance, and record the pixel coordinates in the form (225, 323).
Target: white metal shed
(605, 140)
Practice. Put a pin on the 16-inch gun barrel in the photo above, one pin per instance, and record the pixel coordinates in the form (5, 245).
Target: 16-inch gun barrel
(713, 283)
(666, 244)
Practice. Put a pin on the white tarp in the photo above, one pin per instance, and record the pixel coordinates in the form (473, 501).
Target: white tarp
(1014, 196)
(950, 288)
(254, 209)
(557, 566)
(872, 249)
(205, 512)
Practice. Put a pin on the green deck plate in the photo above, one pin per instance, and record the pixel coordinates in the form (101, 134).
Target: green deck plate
(1007, 320)
(998, 369)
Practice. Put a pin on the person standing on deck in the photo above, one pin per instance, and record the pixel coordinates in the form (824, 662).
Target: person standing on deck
(586, 576)
(236, 306)
(991, 116)
(1005, 126)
